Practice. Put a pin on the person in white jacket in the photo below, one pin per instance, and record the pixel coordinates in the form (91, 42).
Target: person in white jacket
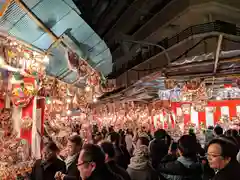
(129, 141)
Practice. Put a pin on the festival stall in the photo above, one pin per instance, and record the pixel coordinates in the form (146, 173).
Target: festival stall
(36, 107)
(21, 70)
(178, 108)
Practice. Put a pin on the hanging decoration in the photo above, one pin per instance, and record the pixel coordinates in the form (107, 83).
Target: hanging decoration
(22, 93)
(186, 108)
(26, 123)
(94, 79)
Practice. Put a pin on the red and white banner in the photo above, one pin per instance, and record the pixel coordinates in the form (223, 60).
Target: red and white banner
(210, 117)
(33, 113)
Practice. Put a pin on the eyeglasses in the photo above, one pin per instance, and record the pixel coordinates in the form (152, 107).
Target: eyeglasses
(84, 162)
(213, 155)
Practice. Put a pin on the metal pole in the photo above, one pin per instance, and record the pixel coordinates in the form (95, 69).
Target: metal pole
(151, 44)
(220, 38)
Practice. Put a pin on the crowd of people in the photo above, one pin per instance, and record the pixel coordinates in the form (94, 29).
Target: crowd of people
(128, 155)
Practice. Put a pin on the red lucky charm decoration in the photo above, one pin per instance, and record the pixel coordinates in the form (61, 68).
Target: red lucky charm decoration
(22, 94)
(73, 60)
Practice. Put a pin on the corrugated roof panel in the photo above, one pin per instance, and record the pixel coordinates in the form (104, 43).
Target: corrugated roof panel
(99, 48)
(43, 42)
(71, 20)
(105, 67)
(26, 29)
(31, 3)
(82, 32)
(5, 25)
(13, 14)
(92, 41)
(70, 78)
(102, 56)
(72, 5)
(53, 10)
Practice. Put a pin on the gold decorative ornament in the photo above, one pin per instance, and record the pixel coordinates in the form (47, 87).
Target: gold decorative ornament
(26, 123)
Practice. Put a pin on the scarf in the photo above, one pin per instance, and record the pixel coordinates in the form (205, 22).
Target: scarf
(70, 159)
(140, 158)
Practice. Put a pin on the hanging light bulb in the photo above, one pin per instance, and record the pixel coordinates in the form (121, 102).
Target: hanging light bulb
(218, 98)
(69, 112)
(95, 99)
(46, 59)
(68, 100)
(87, 88)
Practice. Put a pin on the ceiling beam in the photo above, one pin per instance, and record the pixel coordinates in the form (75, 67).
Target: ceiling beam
(24, 7)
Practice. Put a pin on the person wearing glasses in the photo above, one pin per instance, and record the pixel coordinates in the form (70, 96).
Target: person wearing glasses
(74, 146)
(46, 168)
(221, 155)
(91, 164)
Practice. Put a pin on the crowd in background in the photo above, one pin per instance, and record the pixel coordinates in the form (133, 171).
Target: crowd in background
(137, 155)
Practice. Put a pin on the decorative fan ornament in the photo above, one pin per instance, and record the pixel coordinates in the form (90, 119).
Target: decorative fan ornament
(170, 83)
(186, 108)
(26, 123)
(200, 105)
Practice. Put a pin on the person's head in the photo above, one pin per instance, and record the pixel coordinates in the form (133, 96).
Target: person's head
(90, 159)
(187, 146)
(129, 131)
(114, 138)
(109, 151)
(231, 132)
(142, 140)
(221, 151)
(234, 133)
(110, 129)
(160, 134)
(97, 138)
(210, 127)
(173, 148)
(49, 152)
(74, 144)
(217, 131)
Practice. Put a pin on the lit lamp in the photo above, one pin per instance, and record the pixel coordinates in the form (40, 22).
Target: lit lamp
(69, 112)
(95, 99)
(87, 88)
(46, 59)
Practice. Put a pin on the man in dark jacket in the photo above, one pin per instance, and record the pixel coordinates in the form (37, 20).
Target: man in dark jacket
(74, 146)
(158, 147)
(187, 165)
(122, 158)
(46, 168)
(91, 164)
(108, 148)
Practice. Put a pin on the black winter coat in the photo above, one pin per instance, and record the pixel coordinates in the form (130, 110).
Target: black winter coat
(118, 170)
(181, 169)
(42, 171)
(104, 173)
(231, 171)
